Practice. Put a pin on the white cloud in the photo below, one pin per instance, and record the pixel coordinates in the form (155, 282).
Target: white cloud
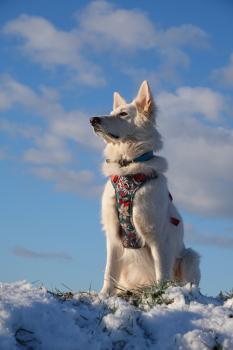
(5, 100)
(50, 140)
(3, 153)
(132, 30)
(42, 103)
(225, 74)
(188, 101)
(45, 43)
(75, 126)
(23, 130)
(12, 92)
(51, 149)
(103, 27)
(31, 254)
(229, 229)
(49, 46)
(200, 154)
(195, 237)
(60, 125)
(67, 180)
(106, 26)
(186, 34)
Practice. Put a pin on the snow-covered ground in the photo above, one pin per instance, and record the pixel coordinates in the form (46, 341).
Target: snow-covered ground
(32, 318)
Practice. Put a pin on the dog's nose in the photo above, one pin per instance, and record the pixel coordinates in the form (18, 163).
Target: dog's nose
(95, 120)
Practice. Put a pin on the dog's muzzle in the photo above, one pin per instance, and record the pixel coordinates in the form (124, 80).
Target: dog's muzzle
(96, 123)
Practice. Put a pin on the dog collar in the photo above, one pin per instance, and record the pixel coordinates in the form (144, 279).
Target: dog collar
(142, 158)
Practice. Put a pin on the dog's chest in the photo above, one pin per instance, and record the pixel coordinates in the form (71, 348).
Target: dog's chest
(125, 189)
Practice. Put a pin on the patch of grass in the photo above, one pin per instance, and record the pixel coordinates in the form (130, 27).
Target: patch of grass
(226, 295)
(148, 296)
(62, 296)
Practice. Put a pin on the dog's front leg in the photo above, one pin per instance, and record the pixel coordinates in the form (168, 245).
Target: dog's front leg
(163, 263)
(112, 270)
(114, 247)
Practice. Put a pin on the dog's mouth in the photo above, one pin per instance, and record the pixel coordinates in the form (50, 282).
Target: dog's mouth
(99, 130)
(113, 136)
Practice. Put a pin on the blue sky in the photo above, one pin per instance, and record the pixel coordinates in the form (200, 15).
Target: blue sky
(60, 63)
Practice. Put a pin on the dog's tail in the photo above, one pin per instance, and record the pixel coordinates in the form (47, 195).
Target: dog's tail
(187, 267)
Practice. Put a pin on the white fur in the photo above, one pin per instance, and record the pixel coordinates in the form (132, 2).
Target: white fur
(163, 256)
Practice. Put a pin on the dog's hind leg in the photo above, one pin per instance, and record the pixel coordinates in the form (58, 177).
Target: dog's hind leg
(187, 267)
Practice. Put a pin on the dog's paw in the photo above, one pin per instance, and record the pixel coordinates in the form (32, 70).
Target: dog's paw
(106, 292)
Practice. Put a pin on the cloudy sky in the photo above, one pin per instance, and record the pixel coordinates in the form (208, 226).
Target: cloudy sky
(60, 63)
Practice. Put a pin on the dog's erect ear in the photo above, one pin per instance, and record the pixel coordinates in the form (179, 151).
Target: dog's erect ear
(144, 100)
(118, 100)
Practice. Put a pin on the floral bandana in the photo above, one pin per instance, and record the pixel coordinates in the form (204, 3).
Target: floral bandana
(125, 189)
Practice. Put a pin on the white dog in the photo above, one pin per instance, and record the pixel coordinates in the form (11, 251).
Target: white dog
(144, 230)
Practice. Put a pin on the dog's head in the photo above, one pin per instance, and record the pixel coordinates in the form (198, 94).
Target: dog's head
(130, 122)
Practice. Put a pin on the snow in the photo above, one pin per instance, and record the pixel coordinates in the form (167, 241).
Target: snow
(33, 319)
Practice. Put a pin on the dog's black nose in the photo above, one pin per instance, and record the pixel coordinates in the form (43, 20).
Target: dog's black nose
(95, 120)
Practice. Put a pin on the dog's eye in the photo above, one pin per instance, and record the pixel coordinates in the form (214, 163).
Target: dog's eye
(123, 114)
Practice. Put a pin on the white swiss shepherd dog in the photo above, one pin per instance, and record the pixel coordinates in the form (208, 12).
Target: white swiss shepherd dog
(129, 132)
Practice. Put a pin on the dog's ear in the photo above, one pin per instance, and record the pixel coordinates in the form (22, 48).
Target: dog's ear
(144, 100)
(118, 100)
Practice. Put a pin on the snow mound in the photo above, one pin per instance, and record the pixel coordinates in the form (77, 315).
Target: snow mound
(34, 319)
